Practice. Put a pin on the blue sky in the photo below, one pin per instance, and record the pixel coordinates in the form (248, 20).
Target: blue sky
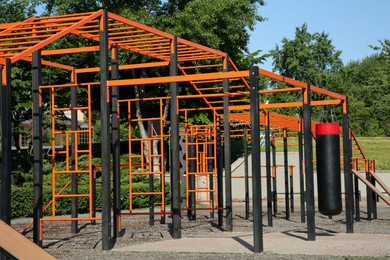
(352, 25)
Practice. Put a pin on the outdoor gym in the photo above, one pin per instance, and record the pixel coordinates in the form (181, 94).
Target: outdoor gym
(194, 159)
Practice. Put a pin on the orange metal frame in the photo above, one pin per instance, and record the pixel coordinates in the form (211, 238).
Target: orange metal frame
(150, 164)
(58, 132)
(201, 135)
(18, 41)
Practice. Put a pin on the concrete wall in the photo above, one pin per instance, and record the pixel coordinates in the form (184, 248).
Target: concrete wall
(238, 185)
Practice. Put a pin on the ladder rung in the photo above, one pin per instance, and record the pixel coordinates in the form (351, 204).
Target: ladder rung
(72, 172)
(147, 193)
(71, 195)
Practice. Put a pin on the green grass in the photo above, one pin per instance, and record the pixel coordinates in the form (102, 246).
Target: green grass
(378, 149)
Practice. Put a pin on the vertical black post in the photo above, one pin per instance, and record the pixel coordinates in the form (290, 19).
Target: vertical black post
(210, 167)
(175, 153)
(5, 177)
(274, 186)
(5, 149)
(286, 175)
(191, 177)
(227, 149)
(219, 173)
(347, 150)
(301, 175)
(73, 104)
(115, 141)
(37, 146)
(246, 173)
(268, 169)
(291, 167)
(3, 190)
(93, 222)
(256, 169)
(368, 191)
(357, 196)
(105, 134)
(219, 158)
(308, 144)
(374, 196)
(151, 178)
(369, 197)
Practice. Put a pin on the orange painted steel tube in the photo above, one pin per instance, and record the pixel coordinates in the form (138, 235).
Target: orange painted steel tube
(184, 78)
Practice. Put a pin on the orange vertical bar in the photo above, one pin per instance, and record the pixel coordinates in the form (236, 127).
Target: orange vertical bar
(76, 140)
(130, 157)
(291, 170)
(67, 150)
(273, 167)
(90, 140)
(53, 147)
(186, 135)
(162, 157)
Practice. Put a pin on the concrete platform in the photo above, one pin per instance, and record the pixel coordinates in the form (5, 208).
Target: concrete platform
(336, 244)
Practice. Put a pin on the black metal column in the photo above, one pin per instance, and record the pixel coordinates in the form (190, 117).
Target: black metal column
(191, 177)
(291, 167)
(219, 158)
(374, 202)
(268, 169)
(246, 173)
(256, 169)
(357, 194)
(301, 175)
(175, 153)
(274, 180)
(115, 141)
(308, 144)
(105, 135)
(73, 104)
(93, 197)
(151, 177)
(227, 149)
(5, 177)
(368, 191)
(348, 180)
(286, 174)
(37, 146)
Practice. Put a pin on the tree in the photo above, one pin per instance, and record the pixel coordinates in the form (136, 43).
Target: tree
(219, 24)
(367, 82)
(309, 58)
(17, 10)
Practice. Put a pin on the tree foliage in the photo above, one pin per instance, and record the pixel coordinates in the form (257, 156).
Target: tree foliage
(220, 24)
(367, 82)
(17, 10)
(309, 57)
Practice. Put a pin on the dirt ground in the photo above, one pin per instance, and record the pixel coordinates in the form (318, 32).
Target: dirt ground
(136, 233)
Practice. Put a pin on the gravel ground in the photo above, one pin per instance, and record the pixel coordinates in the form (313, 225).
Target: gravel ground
(61, 243)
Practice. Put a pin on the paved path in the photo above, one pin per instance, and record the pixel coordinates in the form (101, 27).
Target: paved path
(338, 244)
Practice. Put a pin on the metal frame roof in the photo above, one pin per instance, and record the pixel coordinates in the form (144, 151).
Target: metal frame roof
(19, 40)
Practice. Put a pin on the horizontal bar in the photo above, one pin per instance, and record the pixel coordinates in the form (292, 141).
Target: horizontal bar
(69, 219)
(183, 78)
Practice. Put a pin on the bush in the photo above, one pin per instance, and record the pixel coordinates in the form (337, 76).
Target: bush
(22, 190)
(22, 200)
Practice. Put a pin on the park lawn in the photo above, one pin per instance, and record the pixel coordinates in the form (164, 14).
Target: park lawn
(378, 149)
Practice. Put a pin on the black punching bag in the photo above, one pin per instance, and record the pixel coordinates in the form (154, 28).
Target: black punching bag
(328, 168)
